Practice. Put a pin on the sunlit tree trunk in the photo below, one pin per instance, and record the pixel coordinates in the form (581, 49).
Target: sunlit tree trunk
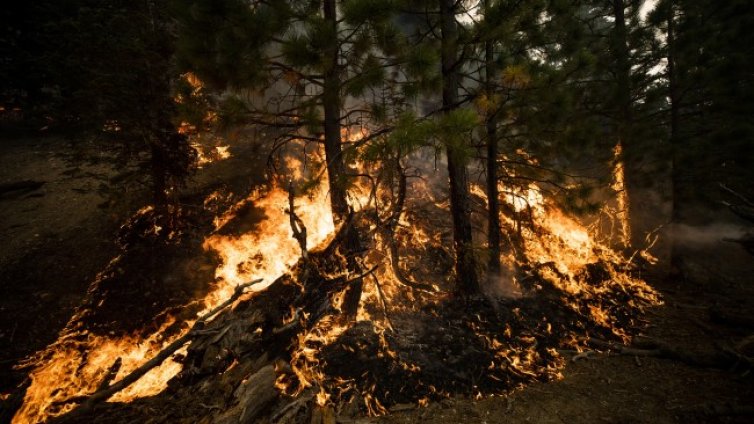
(623, 155)
(465, 267)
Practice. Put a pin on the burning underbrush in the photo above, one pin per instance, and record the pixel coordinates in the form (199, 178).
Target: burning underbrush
(471, 347)
(363, 322)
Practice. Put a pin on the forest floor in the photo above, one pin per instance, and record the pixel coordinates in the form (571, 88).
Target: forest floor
(57, 238)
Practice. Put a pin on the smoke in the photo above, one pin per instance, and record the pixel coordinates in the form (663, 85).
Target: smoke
(503, 285)
(703, 236)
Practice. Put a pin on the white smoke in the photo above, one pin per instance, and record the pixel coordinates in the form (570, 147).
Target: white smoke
(705, 235)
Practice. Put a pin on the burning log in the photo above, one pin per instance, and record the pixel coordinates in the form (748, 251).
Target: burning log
(109, 390)
(232, 357)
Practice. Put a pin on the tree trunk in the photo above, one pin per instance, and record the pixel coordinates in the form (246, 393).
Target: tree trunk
(160, 184)
(626, 166)
(677, 190)
(466, 279)
(493, 211)
(331, 104)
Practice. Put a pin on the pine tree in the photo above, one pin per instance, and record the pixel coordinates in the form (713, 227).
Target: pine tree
(508, 32)
(306, 59)
(465, 263)
(615, 56)
(708, 84)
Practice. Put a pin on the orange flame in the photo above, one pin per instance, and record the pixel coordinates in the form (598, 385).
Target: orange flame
(74, 365)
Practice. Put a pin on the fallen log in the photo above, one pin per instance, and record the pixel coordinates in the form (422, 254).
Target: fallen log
(109, 390)
(112, 372)
(285, 413)
(646, 347)
(253, 395)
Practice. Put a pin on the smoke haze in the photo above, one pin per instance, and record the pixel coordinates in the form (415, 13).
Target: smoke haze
(702, 236)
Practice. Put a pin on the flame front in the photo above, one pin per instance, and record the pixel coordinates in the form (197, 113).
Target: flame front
(78, 361)
(73, 366)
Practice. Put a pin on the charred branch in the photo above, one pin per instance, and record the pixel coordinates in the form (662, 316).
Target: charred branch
(297, 225)
(112, 372)
(389, 234)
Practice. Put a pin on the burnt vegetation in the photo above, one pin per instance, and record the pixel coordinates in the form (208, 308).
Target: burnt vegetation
(335, 209)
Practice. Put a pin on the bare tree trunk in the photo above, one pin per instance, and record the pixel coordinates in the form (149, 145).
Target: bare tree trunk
(466, 278)
(677, 189)
(493, 217)
(331, 104)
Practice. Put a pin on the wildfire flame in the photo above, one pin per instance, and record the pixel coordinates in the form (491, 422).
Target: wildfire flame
(207, 155)
(269, 250)
(74, 365)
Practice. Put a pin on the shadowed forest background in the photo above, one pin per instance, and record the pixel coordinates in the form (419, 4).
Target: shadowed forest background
(376, 211)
